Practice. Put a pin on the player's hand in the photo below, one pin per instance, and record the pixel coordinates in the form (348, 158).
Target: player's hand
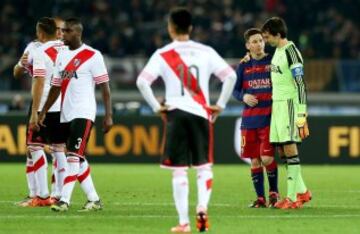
(41, 119)
(33, 122)
(24, 59)
(107, 123)
(250, 100)
(245, 59)
(302, 124)
(162, 111)
(215, 111)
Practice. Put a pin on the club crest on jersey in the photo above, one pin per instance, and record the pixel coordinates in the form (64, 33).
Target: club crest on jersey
(77, 62)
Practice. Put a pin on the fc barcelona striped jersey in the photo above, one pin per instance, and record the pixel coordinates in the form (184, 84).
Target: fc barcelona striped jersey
(253, 78)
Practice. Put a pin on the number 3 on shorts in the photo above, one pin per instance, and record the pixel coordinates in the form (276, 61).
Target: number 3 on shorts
(77, 146)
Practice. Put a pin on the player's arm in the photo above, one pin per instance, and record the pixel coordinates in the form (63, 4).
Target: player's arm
(238, 92)
(19, 69)
(148, 75)
(101, 78)
(54, 93)
(106, 96)
(297, 70)
(37, 88)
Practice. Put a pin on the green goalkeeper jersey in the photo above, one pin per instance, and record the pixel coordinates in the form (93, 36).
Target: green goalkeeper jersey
(287, 73)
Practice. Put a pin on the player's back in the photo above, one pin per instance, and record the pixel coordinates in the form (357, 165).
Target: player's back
(30, 48)
(282, 80)
(186, 67)
(43, 60)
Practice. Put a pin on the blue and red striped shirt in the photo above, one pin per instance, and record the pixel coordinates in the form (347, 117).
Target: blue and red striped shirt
(253, 77)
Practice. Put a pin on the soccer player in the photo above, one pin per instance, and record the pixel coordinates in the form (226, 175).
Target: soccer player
(253, 87)
(43, 56)
(185, 67)
(288, 117)
(76, 72)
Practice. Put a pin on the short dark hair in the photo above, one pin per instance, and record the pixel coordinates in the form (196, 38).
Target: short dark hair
(181, 18)
(274, 26)
(251, 31)
(74, 21)
(47, 25)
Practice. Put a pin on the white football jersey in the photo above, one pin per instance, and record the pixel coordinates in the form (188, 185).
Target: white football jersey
(29, 49)
(77, 72)
(43, 61)
(186, 68)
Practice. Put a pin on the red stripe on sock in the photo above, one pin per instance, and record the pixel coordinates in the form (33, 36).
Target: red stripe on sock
(70, 179)
(209, 184)
(272, 166)
(82, 177)
(257, 170)
(39, 163)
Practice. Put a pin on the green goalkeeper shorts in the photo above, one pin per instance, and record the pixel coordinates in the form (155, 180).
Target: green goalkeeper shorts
(283, 128)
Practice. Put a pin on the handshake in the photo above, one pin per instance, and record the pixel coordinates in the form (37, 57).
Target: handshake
(302, 125)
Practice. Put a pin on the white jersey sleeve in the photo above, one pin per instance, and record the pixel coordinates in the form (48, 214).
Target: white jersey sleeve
(152, 70)
(220, 68)
(56, 79)
(39, 67)
(98, 70)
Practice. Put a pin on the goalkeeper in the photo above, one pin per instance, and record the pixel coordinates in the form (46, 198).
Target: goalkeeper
(288, 117)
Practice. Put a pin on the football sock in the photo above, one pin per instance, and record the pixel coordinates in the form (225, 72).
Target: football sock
(293, 169)
(181, 195)
(54, 191)
(73, 163)
(300, 185)
(40, 169)
(257, 177)
(30, 177)
(204, 185)
(272, 174)
(86, 182)
(61, 167)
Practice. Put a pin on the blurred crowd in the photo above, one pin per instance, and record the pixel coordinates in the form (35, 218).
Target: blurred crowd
(321, 28)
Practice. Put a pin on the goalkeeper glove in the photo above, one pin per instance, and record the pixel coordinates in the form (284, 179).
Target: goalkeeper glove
(301, 123)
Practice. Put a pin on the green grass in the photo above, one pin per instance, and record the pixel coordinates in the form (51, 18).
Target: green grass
(138, 199)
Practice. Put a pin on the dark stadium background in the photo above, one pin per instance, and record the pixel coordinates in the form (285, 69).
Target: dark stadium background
(128, 32)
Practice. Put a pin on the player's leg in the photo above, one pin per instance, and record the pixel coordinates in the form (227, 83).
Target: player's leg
(180, 184)
(87, 185)
(56, 137)
(201, 145)
(257, 177)
(60, 166)
(53, 188)
(175, 157)
(31, 182)
(79, 131)
(282, 132)
(251, 149)
(35, 145)
(267, 152)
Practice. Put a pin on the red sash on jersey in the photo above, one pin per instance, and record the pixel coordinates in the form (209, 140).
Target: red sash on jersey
(52, 53)
(72, 66)
(173, 59)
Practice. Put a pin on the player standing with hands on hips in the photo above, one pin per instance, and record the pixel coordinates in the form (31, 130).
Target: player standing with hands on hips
(185, 67)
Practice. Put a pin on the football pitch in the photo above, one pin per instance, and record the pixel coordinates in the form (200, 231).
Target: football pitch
(138, 199)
